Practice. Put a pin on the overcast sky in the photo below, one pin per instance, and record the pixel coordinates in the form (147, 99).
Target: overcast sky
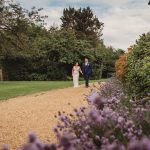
(124, 20)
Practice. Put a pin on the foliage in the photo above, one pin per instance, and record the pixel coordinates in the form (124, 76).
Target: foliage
(55, 53)
(17, 38)
(15, 29)
(19, 65)
(120, 67)
(60, 50)
(137, 74)
(84, 23)
(29, 51)
(109, 59)
(104, 61)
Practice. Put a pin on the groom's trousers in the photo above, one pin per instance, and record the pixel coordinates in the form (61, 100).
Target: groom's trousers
(86, 78)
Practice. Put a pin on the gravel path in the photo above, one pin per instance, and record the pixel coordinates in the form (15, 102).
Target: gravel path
(19, 116)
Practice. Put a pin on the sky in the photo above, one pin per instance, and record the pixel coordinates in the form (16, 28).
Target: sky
(124, 20)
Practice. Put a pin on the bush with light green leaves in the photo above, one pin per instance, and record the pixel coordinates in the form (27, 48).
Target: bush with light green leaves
(137, 74)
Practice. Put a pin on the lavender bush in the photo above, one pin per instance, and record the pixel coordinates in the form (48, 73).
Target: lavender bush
(112, 121)
(34, 143)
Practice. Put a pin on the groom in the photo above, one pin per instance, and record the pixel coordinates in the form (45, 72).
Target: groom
(87, 71)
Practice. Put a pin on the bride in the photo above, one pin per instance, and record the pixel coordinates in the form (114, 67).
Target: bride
(75, 73)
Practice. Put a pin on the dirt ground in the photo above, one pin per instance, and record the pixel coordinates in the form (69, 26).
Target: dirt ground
(19, 116)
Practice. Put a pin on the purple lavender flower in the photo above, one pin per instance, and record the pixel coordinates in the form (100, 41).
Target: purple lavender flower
(50, 147)
(144, 144)
(32, 137)
(5, 147)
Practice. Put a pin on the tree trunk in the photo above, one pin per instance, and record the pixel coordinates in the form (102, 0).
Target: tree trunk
(1, 75)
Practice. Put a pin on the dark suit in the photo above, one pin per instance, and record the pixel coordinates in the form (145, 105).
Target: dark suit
(87, 71)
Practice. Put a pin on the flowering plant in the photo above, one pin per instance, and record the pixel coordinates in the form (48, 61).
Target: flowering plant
(110, 119)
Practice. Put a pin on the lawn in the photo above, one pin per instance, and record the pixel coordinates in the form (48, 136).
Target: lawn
(10, 89)
(18, 88)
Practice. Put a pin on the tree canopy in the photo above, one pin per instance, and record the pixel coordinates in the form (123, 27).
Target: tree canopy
(29, 51)
(84, 23)
(15, 26)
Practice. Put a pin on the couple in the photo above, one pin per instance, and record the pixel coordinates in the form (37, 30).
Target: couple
(86, 71)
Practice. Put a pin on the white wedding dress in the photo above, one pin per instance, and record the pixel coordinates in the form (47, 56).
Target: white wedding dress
(76, 71)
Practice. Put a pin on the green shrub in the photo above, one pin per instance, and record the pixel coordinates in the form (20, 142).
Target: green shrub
(137, 74)
(38, 77)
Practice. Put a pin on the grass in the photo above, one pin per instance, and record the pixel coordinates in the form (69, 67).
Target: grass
(10, 89)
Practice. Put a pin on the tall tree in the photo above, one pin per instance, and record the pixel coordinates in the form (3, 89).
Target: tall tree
(14, 24)
(84, 23)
